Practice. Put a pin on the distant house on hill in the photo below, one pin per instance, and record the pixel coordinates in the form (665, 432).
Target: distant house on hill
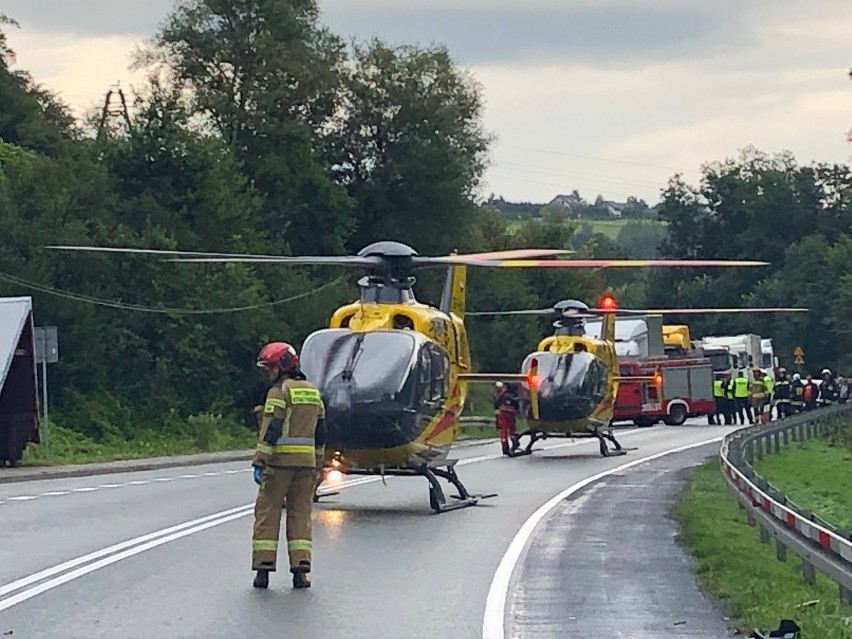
(567, 201)
(615, 208)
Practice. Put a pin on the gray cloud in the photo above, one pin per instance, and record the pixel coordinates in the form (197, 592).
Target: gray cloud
(599, 33)
(604, 32)
(89, 17)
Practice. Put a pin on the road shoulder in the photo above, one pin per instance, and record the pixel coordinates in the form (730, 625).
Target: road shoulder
(606, 563)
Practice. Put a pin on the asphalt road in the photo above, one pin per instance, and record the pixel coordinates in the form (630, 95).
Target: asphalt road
(167, 553)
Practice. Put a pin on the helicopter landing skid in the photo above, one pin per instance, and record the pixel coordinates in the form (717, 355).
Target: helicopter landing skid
(605, 451)
(318, 494)
(517, 451)
(437, 499)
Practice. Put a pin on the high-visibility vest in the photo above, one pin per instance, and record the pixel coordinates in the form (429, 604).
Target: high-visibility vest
(740, 387)
(718, 388)
(769, 384)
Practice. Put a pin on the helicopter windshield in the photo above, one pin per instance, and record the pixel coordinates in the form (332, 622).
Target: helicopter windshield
(376, 364)
(577, 373)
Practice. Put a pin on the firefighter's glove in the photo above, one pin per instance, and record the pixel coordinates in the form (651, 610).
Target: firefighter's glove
(274, 431)
(258, 475)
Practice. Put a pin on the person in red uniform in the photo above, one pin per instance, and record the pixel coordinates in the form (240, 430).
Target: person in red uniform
(506, 405)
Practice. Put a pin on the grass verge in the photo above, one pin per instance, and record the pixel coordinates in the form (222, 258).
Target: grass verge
(733, 566)
(816, 475)
(202, 434)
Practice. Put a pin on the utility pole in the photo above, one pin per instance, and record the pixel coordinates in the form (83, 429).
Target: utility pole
(115, 107)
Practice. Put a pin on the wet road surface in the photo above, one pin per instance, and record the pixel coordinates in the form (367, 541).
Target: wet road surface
(599, 568)
(167, 553)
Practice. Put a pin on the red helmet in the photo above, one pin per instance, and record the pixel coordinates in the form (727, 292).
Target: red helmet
(279, 353)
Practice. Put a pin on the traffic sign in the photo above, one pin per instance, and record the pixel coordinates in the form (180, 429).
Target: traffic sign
(46, 345)
(799, 355)
(46, 352)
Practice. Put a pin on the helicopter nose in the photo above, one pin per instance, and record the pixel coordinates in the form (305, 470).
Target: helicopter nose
(559, 404)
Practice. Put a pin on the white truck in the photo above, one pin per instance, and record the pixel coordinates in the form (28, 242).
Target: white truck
(745, 350)
(770, 360)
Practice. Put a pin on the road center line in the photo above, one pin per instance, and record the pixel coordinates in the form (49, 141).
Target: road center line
(131, 547)
(494, 619)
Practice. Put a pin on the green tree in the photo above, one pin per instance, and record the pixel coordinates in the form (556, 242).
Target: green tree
(409, 146)
(641, 238)
(265, 75)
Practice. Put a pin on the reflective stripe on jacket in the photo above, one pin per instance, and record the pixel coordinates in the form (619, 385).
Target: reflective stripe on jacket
(292, 407)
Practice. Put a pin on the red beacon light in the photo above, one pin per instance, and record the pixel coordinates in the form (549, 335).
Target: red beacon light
(532, 375)
(608, 302)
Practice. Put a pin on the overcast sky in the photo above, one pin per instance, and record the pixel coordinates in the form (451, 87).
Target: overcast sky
(603, 96)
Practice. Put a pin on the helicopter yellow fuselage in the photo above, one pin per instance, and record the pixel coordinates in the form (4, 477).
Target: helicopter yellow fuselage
(601, 400)
(436, 425)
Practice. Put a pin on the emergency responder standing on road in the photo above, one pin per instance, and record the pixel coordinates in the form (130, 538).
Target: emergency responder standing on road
(757, 396)
(781, 394)
(507, 404)
(730, 402)
(797, 395)
(741, 398)
(768, 384)
(828, 390)
(292, 434)
(719, 396)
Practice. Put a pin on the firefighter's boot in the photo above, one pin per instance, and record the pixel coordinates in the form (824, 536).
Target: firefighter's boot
(261, 579)
(301, 575)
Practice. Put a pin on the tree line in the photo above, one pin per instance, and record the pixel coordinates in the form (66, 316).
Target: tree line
(261, 131)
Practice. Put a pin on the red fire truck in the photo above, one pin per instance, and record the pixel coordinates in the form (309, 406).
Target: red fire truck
(674, 390)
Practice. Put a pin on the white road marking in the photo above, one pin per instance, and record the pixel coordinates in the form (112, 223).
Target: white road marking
(142, 482)
(105, 556)
(125, 549)
(23, 498)
(494, 619)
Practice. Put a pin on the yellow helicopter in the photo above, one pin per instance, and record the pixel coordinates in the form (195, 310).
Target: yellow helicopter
(393, 372)
(571, 380)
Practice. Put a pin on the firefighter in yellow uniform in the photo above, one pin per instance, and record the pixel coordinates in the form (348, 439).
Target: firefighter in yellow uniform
(757, 395)
(291, 438)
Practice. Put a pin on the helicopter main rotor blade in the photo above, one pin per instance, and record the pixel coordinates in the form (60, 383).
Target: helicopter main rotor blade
(613, 263)
(319, 260)
(597, 312)
(697, 311)
(204, 256)
(110, 249)
(535, 311)
(511, 254)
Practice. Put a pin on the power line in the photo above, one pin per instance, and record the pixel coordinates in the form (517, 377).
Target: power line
(88, 299)
(586, 157)
(551, 172)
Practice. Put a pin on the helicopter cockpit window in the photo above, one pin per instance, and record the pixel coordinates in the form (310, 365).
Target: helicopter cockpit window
(440, 371)
(375, 364)
(401, 322)
(424, 372)
(383, 294)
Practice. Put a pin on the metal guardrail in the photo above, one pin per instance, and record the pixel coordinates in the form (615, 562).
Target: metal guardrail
(820, 545)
